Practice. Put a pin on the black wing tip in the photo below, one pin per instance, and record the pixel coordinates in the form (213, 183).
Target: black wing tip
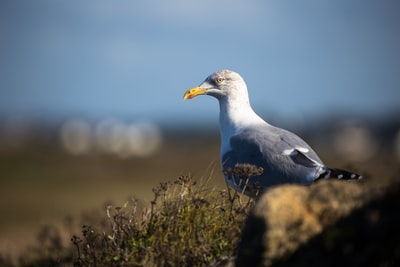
(333, 173)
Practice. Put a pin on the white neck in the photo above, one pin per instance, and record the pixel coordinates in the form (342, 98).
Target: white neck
(234, 116)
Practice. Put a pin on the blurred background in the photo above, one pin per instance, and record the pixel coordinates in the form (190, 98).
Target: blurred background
(91, 107)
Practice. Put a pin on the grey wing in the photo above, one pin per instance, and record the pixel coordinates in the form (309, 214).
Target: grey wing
(284, 156)
(296, 148)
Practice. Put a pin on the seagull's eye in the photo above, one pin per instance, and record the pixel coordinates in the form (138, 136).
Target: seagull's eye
(219, 80)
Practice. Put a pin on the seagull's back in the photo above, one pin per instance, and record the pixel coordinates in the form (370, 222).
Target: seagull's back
(274, 150)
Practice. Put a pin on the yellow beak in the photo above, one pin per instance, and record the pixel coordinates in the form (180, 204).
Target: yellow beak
(193, 92)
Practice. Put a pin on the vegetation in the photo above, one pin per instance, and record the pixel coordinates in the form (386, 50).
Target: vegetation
(187, 223)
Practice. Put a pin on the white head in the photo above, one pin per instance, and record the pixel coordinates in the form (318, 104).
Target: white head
(224, 85)
(231, 91)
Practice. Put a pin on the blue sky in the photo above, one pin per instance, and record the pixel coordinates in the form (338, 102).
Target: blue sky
(136, 58)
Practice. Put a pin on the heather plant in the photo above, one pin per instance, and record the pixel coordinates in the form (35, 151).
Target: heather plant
(186, 224)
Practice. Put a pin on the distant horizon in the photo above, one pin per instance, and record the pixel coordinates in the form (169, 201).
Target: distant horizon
(199, 121)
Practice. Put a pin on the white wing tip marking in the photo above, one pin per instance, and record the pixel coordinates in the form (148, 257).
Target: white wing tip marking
(290, 151)
(302, 149)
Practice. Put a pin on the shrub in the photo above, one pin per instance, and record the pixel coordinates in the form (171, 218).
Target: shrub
(186, 223)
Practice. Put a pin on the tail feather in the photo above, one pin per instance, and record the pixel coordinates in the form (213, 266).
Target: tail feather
(333, 173)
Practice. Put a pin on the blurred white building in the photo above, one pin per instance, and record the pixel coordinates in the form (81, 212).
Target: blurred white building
(355, 143)
(111, 136)
(76, 136)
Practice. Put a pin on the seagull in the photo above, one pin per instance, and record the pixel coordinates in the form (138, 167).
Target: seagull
(246, 139)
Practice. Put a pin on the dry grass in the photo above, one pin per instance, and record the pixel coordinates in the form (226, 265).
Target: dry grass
(187, 223)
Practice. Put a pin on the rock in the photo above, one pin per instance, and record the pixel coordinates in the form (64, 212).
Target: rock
(288, 216)
(369, 236)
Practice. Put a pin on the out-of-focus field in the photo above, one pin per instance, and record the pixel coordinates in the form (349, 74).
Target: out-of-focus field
(41, 184)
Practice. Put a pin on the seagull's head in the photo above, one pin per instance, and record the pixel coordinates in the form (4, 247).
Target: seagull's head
(223, 84)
